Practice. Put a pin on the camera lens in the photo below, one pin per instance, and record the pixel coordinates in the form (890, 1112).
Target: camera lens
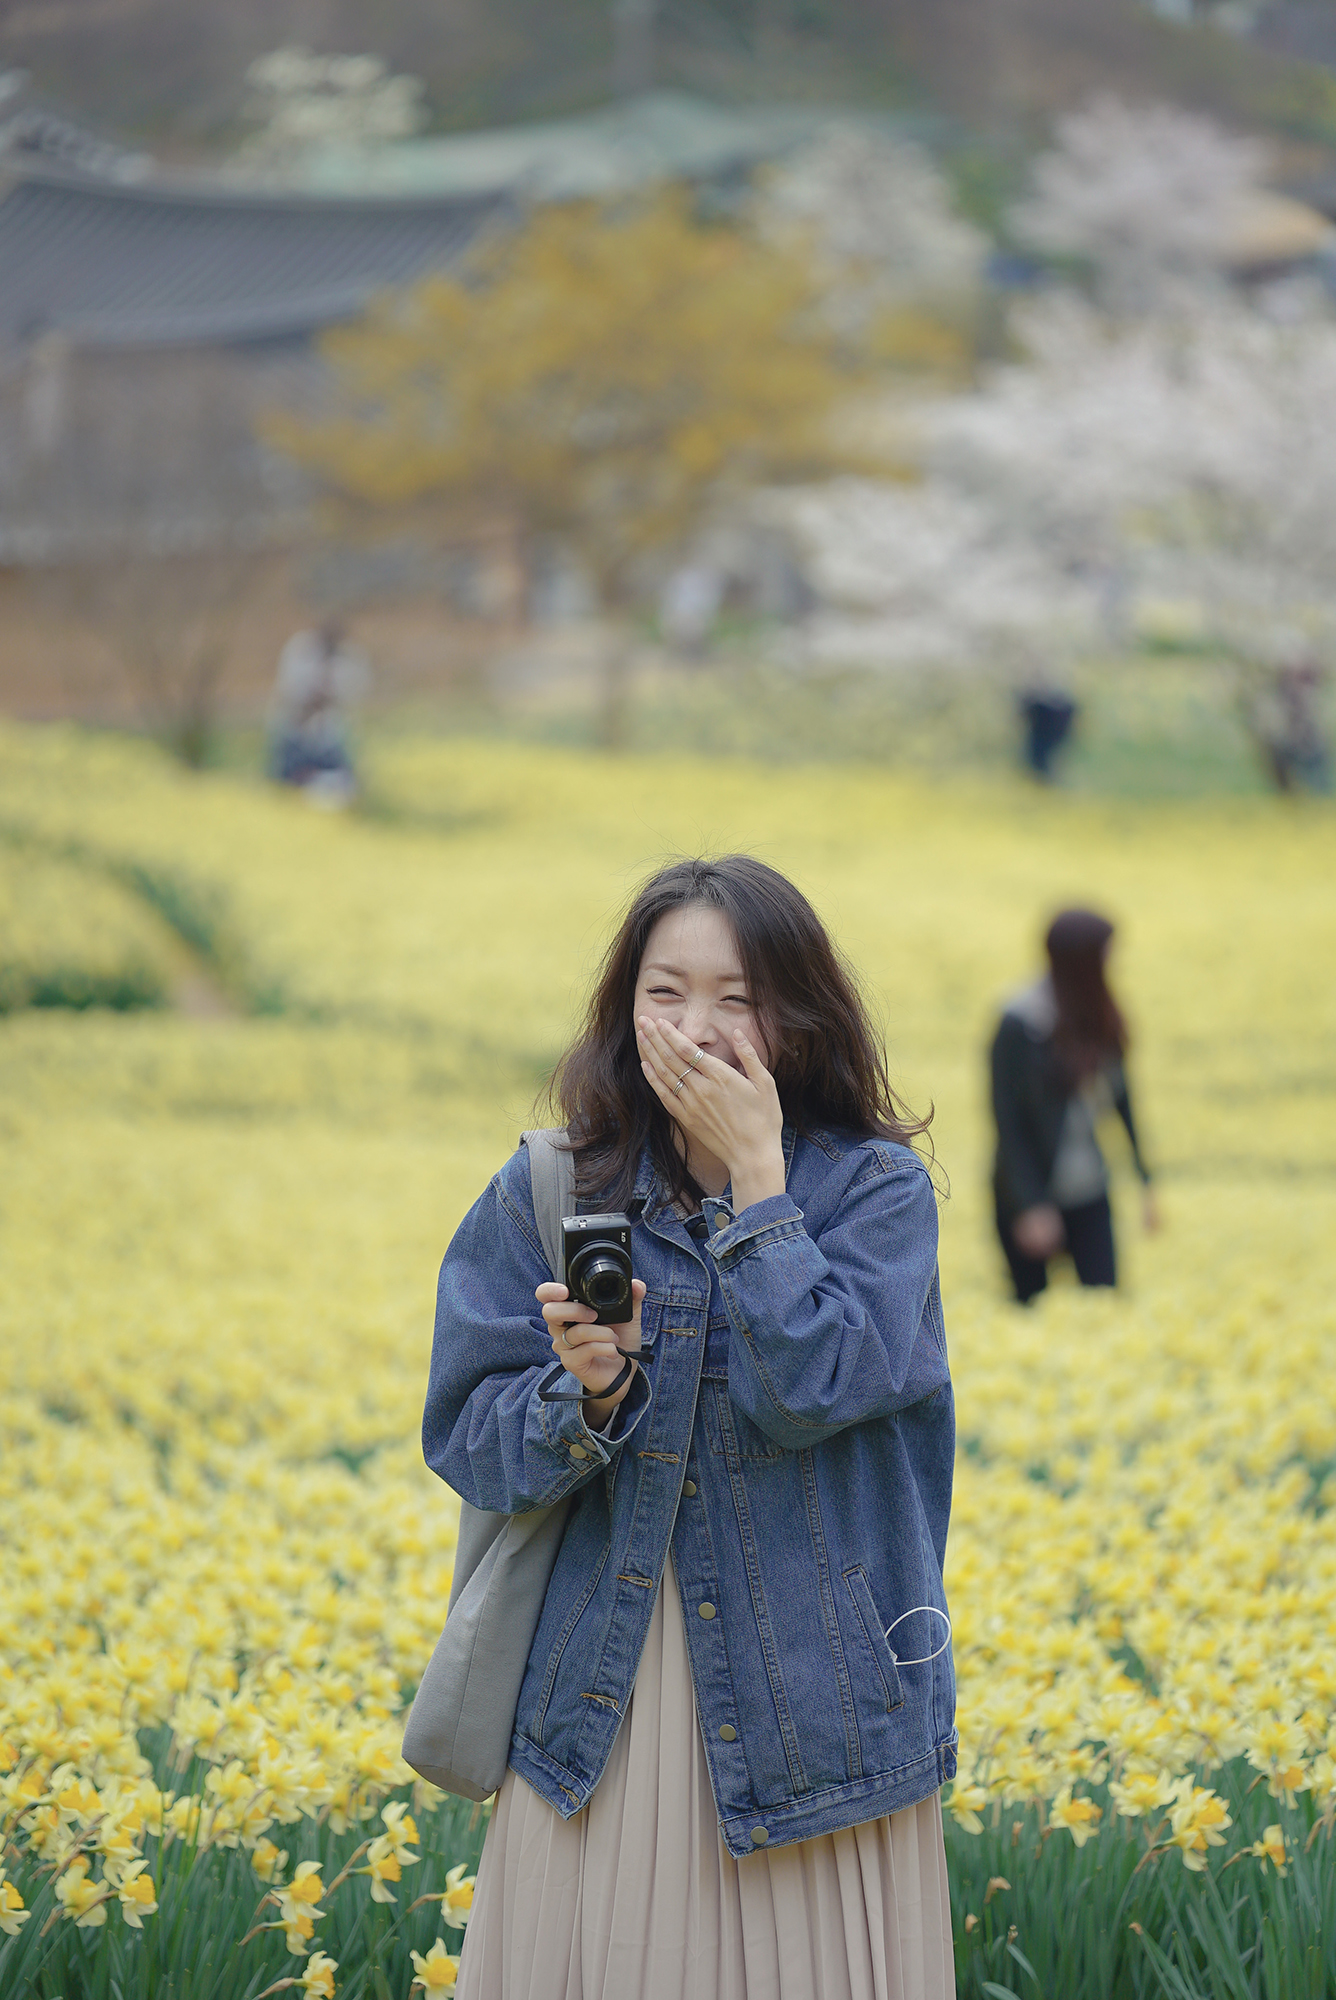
(604, 1282)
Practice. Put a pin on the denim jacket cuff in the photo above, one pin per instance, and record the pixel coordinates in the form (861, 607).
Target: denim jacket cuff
(627, 1413)
(734, 1236)
(569, 1436)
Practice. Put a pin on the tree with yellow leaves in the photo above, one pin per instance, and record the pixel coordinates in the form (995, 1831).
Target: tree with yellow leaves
(604, 375)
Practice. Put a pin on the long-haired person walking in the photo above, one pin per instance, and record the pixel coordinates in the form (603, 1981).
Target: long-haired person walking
(737, 1709)
(1057, 1067)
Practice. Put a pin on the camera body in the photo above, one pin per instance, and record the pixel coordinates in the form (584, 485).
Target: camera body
(596, 1264)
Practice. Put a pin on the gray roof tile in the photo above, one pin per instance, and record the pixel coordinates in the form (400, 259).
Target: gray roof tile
(143, 265)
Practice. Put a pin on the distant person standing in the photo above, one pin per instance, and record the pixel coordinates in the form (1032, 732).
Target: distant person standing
(1288, 723)
(1047, 718)
(689, 607)
(1057, 1067)
(320, 678)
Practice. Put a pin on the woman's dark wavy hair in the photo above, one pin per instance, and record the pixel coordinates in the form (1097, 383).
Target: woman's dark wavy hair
(1091, 1030)
(829, 1064)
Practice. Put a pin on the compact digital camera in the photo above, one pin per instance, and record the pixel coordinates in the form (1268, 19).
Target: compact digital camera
(596, 1258)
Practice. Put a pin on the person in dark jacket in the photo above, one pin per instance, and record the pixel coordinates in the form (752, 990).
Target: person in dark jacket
(1057, 1066)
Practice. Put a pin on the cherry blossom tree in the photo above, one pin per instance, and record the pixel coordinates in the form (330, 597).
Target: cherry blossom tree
(1192, 460)
(1204, 450)
(1152, 197)
(300, 100)
(877, 219)
(926, 577)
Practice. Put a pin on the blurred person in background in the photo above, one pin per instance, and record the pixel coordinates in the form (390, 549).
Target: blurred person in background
(689, 607)
(320, 678)
(1289, 725)
(737, 1711)
(1047, 717)
(1057, 1068)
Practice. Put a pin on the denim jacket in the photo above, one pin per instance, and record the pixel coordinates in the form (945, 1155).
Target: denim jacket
(791, 1439)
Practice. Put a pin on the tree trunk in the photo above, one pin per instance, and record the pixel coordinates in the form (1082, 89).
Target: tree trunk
(612, 725)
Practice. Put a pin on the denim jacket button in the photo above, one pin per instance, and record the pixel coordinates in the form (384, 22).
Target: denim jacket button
(689, 1488)
(578, 1451)
(759, 1836)
(727, 1733)
(706, 1610)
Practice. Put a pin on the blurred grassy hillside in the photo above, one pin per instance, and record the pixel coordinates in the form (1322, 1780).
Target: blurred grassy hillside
(172, 71)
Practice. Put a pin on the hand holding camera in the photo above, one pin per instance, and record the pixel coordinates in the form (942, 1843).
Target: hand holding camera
(594, 1318)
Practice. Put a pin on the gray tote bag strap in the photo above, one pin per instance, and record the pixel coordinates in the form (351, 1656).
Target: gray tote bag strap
(552, 1172)
(552, 1175)
(463, 1716)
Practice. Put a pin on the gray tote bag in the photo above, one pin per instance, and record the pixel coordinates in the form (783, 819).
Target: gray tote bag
(463, 1715)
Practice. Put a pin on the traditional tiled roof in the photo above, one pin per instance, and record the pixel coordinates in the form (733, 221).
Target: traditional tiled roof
(97, 244)
(33, 132)
(131, 265)
(662, 135)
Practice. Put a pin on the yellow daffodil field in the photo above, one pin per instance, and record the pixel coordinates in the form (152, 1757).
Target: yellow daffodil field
(255, 1061)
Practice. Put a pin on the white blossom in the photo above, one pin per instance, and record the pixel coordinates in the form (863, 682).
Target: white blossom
(303, 100)
(878, 220)
(1152, 196)
(1201, 450)
(923, 577)
(1192, 460)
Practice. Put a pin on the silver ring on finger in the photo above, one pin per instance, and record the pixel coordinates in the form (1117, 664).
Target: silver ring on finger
(680, 1085)
(697, 1059)
(565, 1338)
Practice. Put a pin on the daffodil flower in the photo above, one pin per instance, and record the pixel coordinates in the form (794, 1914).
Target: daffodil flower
(1198, 1821)
(437, 1972)
(1271, 1847)
(1141, 1792)
(382, 1865)
(400, 1830)
(457, 1902)
(268, 1861)
(304, 1891)
(965, 1805)
(318, 1978)
(139, 1898)
(82, 1899)
(1081, 1817)
(298, 1930)
(79, 1801)
(13, 1916)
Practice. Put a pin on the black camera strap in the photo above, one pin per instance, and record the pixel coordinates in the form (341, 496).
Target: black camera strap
(623, 1375)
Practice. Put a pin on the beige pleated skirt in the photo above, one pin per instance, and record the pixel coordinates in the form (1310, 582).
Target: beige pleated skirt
(637, 1898)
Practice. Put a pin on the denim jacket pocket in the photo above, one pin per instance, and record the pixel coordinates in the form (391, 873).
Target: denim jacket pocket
(874, 1634)
(714, 1362)
(652, 1310)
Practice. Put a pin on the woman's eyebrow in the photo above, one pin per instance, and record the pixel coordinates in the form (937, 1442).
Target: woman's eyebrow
(676, 972)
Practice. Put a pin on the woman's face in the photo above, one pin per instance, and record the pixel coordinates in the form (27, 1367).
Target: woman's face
(691, 975)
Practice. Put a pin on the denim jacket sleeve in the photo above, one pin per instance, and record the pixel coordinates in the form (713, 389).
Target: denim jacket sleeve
(484, 1428)
(840, 1328)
